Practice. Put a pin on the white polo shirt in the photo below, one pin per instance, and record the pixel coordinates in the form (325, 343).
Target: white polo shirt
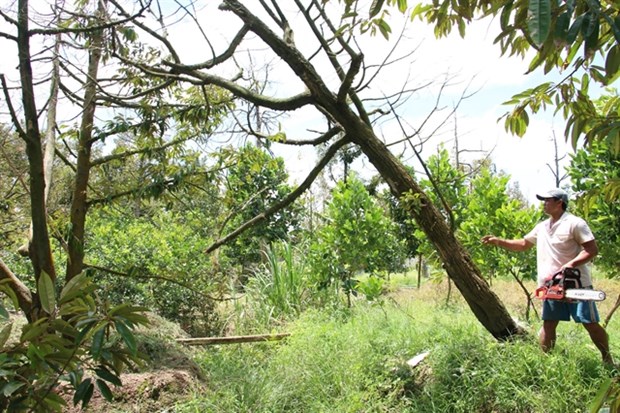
(559, 243)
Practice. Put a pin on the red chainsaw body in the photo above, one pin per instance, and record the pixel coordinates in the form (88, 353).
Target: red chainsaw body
(555, 286)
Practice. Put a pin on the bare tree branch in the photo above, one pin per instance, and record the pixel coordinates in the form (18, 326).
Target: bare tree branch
(300, 142)
(24, 297)
(286, 201)
(232, 47)
(159, 278)
(147, 29)
(203, 78)
(126, 154)
(7, 97)
(90, 29)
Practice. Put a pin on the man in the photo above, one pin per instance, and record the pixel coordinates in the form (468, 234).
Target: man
(562, 241)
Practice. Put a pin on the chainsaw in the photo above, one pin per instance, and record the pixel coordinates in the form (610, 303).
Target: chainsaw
(566, 285)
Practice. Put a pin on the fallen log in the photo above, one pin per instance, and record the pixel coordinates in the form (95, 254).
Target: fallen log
(207, 341)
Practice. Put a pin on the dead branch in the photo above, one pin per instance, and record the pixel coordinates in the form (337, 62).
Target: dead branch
(611, 312)
(208, 341)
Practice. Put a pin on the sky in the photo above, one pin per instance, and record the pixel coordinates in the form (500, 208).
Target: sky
(472, 64)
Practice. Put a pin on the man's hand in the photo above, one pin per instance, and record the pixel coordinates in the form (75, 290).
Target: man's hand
(490, 239)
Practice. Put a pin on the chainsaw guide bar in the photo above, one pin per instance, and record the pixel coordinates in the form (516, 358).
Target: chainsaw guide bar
(566, 285)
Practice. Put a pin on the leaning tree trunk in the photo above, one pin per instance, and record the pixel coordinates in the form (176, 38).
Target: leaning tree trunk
(457, 262)
(485, 305)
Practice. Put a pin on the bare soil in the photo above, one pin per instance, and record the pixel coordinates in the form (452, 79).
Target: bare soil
(151, 392)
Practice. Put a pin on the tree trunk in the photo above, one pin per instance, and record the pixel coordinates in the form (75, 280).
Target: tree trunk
(39, 247)
(485, 305)
(79, 206)
(483, 302)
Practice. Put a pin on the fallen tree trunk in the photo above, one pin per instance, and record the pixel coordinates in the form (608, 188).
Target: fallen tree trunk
(208, 341)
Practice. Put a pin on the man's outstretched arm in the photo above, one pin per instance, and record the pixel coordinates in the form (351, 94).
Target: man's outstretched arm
(516, 245)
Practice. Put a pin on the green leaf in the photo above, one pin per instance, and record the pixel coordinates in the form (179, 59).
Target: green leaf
(11, 387)
(47, 293)
(98, 339)
(505, 16)
(616, 28)
(54, 403)
(419, 10)
(105, 390)
(3, 313)
(75, 285)
(107, 375)
(127, 336)
(83, 393)
(126, 309)
(591, 33)
(384, 28)
(5, 288)
(601, 396)
(402, 6)
(64, 328)
(5, 334)
(561, 28)
(574, 29)
(33, 330)
(375, 7)
(84, 331)
(612, 63)
(539, 21)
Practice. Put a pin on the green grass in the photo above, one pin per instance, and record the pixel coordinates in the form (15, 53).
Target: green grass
(355, 362)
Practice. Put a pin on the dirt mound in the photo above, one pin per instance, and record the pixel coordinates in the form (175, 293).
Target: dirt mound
(142, 392)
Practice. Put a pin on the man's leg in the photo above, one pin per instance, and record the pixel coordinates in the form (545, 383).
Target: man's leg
(600, 339)
(546, 337)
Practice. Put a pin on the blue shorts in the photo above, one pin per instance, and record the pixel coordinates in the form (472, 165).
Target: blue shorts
(581, 311)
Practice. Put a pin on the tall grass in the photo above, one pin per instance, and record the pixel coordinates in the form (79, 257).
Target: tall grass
(277, 289)
(355, 361)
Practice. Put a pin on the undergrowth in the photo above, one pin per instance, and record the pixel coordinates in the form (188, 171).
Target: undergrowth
(355, 361)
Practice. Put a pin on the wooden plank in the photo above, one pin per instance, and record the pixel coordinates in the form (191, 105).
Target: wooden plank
(207, 341)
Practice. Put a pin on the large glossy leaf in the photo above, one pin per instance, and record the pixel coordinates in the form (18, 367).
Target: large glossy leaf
(30, 331)
(375, 7)
(11, 387)
(47, 293)
(591, 33)
(561, 28)
(612, 63)
(539, 20)
(105, 390)
(98, 341)
(107, 375)
(75, 285)
(3, 313)
(127, 336)
(83, 393)
(5, 334)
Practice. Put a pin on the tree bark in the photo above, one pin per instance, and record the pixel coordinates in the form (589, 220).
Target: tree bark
(484, 303)
(39, 246)
(79, 205)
